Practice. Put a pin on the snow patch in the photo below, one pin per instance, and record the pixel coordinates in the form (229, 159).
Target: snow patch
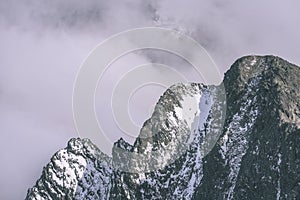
(278, 181)
(190, 109)
(253, 62)
(234, 143)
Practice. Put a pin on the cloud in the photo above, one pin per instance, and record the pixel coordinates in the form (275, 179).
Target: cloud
(231, 29)
(90, 16)
(43, 44)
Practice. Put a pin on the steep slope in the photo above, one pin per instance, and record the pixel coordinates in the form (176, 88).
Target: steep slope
(79, 171)
(180, 178)
(256, 157)
(176, 130)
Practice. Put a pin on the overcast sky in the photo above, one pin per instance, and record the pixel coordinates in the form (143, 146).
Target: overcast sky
(43, 43)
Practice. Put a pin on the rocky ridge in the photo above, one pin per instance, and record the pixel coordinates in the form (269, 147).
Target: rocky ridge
(257, 154)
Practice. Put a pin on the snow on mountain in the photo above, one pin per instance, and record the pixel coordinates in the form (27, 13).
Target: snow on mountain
(255, 123)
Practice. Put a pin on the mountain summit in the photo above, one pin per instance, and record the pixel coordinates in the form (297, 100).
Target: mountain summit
(208, 143)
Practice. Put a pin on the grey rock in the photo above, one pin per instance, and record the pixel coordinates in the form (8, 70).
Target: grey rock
(257, 154)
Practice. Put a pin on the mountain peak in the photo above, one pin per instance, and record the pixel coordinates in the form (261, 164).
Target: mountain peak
(279, 84)
(122, 144)
(256, 155)
(251, 66)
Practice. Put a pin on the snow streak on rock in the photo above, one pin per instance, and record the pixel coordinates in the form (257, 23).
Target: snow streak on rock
(192, 110)
(262, 125)
(235, 140)
(76, 172)
(279, 175)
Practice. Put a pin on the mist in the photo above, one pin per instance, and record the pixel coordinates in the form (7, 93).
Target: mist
(43, 44)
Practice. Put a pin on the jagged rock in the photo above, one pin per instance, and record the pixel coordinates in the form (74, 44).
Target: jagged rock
(257, 154)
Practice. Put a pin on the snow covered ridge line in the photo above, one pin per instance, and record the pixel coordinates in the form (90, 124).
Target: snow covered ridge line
(257, 156)
(184, 180)
(167, 134)
(75, 172)
(180, 114)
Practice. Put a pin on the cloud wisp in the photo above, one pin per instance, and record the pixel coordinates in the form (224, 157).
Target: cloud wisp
(43, 44)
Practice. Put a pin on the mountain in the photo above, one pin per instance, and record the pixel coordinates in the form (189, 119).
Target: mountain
(238, 140)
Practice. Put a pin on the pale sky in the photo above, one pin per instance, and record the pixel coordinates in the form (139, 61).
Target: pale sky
(43, 44)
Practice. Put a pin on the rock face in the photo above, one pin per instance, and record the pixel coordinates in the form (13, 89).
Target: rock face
(80, 170)
(246, 147)
(257, 156)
